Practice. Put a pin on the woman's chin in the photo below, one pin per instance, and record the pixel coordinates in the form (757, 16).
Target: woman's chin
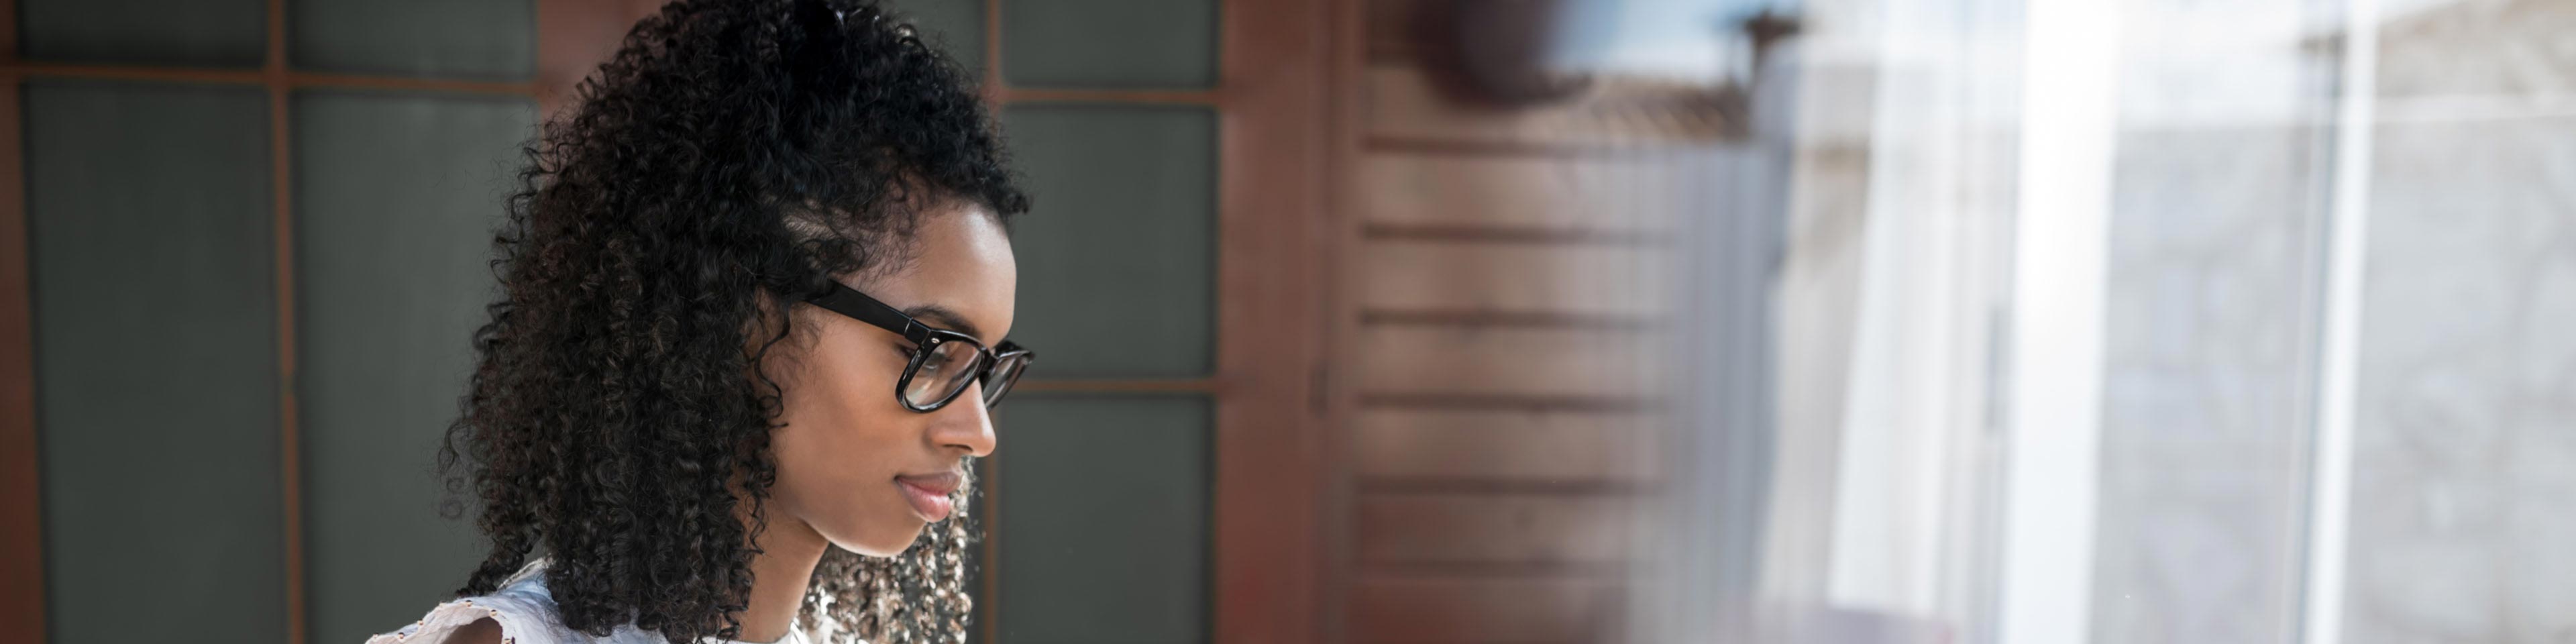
(880, 542)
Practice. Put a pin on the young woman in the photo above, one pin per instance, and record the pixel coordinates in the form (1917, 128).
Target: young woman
(754, 294)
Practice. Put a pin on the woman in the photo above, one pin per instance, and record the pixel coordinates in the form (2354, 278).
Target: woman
(754, 295)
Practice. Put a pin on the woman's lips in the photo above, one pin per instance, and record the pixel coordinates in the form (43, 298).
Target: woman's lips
(929, 494)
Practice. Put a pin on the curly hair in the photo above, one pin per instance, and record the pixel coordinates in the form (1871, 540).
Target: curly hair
(732, 155)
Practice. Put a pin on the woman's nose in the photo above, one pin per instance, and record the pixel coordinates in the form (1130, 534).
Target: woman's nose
(964, 425)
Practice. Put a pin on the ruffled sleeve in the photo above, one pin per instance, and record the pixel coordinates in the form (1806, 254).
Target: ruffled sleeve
(525, 612)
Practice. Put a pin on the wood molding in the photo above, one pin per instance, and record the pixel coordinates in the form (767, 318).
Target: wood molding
(1274, 232)
(1513, 235)
(1505, 487)
(993, 86)
(22, 530)
(1347, 112)
(305, 80)
(255, 76)
(260, 76)
(1487, 319)
(279, 80)
(1121, 386)
(1206, 98)
(1539, 570)
(1508, 402)
(1405, 144)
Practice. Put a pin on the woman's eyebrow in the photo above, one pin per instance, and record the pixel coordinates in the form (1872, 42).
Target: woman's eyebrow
(944, 318)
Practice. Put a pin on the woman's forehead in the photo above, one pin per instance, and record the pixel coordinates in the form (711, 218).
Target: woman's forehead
(961, 265)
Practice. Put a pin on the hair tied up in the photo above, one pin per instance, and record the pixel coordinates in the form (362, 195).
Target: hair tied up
(819, 46)
(821, 21)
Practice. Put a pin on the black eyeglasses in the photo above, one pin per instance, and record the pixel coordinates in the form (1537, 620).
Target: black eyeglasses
(943, 361)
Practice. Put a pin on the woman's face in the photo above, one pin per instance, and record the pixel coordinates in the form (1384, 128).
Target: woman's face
(853, 463)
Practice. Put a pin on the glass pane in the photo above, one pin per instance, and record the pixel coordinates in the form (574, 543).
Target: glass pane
(1109, 43)
(1117, 265)
(2208, 327)
(396, 198)
(1103, 519)
(2464, 428)
(156, 358)
(210, 33)
(470, 39)
(2203, 454)
(954, 26)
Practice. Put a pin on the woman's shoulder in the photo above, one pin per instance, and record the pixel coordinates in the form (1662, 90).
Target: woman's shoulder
(520, 612)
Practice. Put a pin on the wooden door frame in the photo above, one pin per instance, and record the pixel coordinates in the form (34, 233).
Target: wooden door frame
(1277, 238)
(22, 554)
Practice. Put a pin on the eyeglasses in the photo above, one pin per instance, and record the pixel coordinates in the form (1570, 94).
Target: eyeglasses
(943, 361)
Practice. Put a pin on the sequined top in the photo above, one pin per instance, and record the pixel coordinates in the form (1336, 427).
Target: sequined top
(526, 613)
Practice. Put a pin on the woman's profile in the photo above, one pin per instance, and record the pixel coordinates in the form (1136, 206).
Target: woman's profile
(754, 290)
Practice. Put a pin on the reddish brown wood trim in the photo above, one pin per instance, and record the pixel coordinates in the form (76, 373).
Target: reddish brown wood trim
(1505, 402)
(140, 73)
(281, 186)
(1494, 570)
(1130, 96)
(1345, 118)
(1272, 316)
(993, 85)
(1104, 385)
(1522, 610)
(303, 80)
(1511, 235)
(22, 530)
(1510, 319)
(297, 80)
(1488, 486)
(1500, 148)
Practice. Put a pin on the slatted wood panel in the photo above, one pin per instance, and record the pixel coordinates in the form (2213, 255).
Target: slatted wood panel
(1540, 362)
(1580, 281)
(1543, 193)
(1485, 610)
(1468, 532)
(1389, 26)
(1509, 298)
(1614, 449)
(1406, 104)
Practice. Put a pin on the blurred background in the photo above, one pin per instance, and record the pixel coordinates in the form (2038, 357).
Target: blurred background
(1832, 321)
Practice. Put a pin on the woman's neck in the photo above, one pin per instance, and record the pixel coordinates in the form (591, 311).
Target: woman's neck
(789, 549)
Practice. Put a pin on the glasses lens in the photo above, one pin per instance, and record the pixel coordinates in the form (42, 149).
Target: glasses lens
(1004, 375)
(947, 369)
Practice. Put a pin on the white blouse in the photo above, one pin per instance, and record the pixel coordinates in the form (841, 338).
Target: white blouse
(527, 615)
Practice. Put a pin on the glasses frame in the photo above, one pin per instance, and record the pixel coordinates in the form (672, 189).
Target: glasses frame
(926, 339)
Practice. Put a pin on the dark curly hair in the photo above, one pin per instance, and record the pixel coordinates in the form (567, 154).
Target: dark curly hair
(733, 155)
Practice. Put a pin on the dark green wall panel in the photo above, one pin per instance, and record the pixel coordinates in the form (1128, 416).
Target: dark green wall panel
(210, 33)
(1117, 258)
(472, 39)
(396, 199)
(1110, 43)
(1104, 519)
(955, 26)
(156, 362)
